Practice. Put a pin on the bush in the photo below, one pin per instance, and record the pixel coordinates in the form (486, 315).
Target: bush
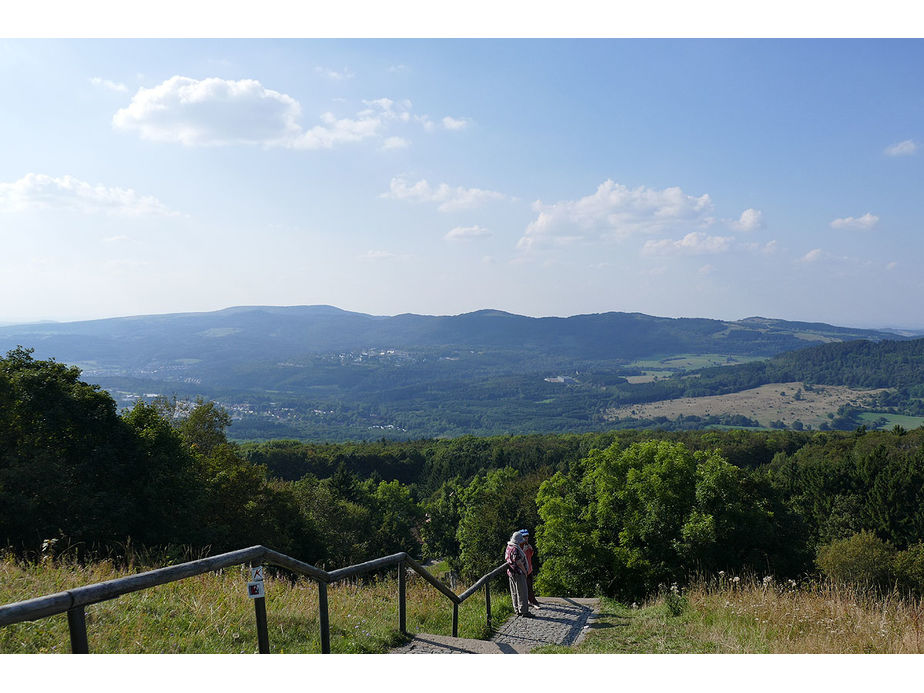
(909, 568)
(862, 559)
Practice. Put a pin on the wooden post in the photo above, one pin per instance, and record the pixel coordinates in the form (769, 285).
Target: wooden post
(77, 625)
(455, 620)
(487, 601)
(402, 598)
(259, 605)
(323, 617)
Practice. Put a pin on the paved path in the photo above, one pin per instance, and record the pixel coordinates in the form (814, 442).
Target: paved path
(560, 621)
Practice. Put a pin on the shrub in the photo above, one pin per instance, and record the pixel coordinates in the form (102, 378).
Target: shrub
(909, 567)
(862, 559)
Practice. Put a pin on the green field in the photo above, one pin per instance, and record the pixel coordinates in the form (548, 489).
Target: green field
(873, 419)
(686, 362)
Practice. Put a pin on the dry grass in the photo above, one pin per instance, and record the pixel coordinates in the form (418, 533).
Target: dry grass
(764, 404)
(212, 614)
(750, 617)
(812, 618)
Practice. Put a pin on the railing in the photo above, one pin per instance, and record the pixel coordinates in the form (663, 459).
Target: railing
(75, 601)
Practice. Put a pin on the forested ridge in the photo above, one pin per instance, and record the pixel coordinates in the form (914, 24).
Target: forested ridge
(320, 373)
(614, 512)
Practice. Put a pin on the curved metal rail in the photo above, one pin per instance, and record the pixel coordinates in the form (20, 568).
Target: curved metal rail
(74, 601)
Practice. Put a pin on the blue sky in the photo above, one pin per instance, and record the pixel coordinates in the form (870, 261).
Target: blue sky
(700, 178)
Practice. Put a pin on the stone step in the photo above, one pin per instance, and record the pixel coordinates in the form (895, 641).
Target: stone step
(429, 643)
(560, 621)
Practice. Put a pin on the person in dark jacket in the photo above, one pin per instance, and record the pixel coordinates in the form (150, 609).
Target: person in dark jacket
(517, 567)
(531, 565)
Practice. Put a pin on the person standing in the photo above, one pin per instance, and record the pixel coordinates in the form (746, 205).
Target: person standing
(530, 568)
(517, 567)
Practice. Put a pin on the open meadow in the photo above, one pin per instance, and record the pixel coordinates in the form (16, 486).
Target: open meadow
(759, 616)
(211, 614)
(786, 402)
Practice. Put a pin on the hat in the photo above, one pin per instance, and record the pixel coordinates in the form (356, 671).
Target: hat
(524, 532)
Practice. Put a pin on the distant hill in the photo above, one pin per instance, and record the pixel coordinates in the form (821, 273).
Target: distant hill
(318, 371)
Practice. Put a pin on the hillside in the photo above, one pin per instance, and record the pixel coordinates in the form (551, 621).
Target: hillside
(319, 372)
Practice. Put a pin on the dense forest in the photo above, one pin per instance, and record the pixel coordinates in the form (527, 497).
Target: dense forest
(614, 512)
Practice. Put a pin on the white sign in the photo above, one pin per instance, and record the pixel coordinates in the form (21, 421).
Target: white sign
(255, 590)
(256, 574)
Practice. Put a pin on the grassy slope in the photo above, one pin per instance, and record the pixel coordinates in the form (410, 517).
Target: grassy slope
(753, 619)
(212, 614)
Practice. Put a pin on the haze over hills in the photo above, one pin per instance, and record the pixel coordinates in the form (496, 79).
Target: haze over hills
(317, 371)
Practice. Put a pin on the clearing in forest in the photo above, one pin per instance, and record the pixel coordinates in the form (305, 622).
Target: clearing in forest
(786, 402)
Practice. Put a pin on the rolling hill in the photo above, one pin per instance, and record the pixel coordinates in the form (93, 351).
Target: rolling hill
(322, 372)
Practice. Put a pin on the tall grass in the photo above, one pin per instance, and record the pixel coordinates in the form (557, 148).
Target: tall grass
(813, 617)
(212, 614)
(749, 615)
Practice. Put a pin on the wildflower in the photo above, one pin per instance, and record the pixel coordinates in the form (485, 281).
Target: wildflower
(736, 579)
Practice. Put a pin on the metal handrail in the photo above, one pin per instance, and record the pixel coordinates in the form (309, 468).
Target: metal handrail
(74, 601)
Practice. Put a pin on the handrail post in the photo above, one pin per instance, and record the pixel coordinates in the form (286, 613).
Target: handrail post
(402, 598)
(323, 617)
(259, 605)
(77, 625)
(487, 601)
(455, 620)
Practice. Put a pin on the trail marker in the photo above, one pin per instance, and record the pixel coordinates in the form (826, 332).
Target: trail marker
(255, 590)
(256, 574)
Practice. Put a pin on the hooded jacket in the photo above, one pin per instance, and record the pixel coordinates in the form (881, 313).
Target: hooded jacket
(515, 558)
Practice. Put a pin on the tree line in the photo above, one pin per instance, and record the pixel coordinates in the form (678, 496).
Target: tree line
(616, 512)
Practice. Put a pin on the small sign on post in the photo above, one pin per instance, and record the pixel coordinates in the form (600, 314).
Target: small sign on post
(255, 588)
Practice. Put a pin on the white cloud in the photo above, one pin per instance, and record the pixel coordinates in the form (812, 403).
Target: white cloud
(38, 191)
(903, 148)
(706, 270)
(467, 233)
(451, 123)
(334, 131)
(426, 122)
(615, 211)
(108, 84)
(812, 256)
(864, 223)
(216, 112)
(750, 220)
(395, 143)
(449, 199)
(694, 243)
(374, 255)
(211, 111)
(335, 75)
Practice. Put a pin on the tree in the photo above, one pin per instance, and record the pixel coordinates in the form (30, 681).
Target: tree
(627, 519)
(495, 505)
(67, 462)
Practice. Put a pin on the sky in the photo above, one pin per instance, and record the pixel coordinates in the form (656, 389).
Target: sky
(720, 178)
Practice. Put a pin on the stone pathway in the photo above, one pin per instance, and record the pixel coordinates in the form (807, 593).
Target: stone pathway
(560, 621)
